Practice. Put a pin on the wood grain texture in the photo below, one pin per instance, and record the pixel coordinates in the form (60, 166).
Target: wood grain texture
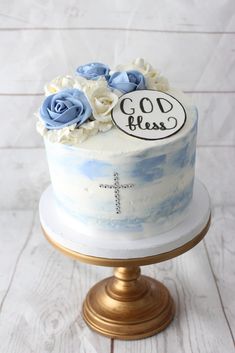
(215, 167)
(20, 111)
(24, 175)
(215, 110)
(42, 310)
(199, 325)
(13, 240)
(30, 65)
(180, 15)
(220, 247)
(41, 291)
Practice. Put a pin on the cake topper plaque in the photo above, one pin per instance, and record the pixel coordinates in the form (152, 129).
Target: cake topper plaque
(149, 114)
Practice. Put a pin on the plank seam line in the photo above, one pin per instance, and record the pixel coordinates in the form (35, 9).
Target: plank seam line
(112, 345)
(215, 146)
(42, 147)
(11, 29)
(18, 259)
(17, 209)
(42, 94)
(218, 291)
(210, 92)
(21, 94)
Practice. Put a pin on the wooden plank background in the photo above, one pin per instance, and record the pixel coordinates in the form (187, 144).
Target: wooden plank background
(41, 291)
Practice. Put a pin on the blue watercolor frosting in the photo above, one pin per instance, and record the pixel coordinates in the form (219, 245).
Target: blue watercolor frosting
(149, 169)
(162, 178)
(170, 207)
(94, 169)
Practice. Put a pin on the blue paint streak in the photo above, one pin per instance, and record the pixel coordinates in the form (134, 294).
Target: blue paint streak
(193, 159)
(131, 225)
(94, 169)
(75, 164)
(175, 204)
(181, 158)
(168, 208)
(149, 169)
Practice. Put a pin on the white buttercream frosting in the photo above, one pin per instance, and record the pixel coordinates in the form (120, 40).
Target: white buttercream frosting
(153, 78)
(102, 102)
(71, 135)
(160, 173)
(111, 184)
(101, 98)
(89, 86)
(59, 83)
(140, 65)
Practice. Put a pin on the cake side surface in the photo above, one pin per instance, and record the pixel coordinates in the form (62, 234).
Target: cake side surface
(128, 174)
(137, 189)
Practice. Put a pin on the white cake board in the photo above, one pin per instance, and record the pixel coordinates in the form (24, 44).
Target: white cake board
(59, 231)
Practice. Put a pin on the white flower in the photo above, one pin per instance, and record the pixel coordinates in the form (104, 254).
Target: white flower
(71, 135)
(41, 128)
(153, 78)
(159, 83)
(102, 102)
(101, 98)
(89, 86)
(59, 83)
(140, 65)
(105, 125)
(145, 68)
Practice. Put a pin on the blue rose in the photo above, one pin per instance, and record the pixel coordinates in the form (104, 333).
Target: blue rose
(65, 108)
(93, 71)
(127, 81)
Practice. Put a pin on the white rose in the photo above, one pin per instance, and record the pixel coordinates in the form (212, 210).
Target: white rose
(89, 86)
(59, 83)
(41, 128)
(72, 135)
(105, 125)
(140, 65)
(91, 128)
(102, 102)
(158, 83)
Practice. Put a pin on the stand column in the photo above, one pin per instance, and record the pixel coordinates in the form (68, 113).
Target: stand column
(128, 305)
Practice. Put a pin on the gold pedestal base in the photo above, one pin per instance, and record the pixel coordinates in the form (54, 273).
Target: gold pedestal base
(128, 305)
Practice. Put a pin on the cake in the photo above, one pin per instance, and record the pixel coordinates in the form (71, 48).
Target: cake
(120, 147)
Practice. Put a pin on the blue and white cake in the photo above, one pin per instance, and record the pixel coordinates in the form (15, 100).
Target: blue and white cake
(121, 150)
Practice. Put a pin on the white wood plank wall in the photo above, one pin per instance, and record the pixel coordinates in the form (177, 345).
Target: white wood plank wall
(41, 291)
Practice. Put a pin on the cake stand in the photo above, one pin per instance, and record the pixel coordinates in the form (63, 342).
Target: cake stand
(127, 305)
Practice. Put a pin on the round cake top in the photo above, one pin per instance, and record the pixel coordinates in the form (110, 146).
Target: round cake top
(128, 109)
(116, 141)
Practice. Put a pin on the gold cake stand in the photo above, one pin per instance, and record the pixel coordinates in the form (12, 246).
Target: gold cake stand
(129, 305)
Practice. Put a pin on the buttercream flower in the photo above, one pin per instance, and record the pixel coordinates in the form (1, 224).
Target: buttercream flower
(65, 108)
(127, 81)
(89, 86)
(102, 102)
(71, 135)
(93, 71)
(158, 83)
(140, 65)
(59, 83)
